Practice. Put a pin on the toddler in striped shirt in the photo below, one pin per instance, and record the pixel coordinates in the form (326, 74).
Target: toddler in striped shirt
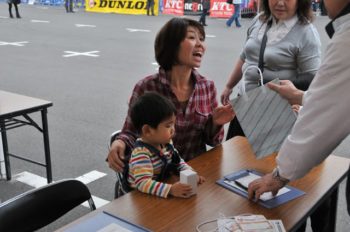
(154, 157)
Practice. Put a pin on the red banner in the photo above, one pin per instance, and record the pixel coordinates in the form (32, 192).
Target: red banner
(220, 9)
(174, 7)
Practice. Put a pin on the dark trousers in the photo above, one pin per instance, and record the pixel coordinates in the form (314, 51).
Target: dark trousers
(150, 7)
(234, 129)
(16, 8)
(68, 5)
(203, 16)
(320, 218)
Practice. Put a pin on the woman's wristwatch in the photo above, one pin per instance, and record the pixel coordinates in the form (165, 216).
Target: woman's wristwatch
(276, 176)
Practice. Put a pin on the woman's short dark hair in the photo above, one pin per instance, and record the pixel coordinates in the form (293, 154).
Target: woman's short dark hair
(304, 11)
(151, 109)
(169, 38)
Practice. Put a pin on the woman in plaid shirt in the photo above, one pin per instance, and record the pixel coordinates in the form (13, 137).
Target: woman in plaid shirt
(179, 49)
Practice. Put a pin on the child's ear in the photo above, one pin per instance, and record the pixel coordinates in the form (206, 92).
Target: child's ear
(146, 130)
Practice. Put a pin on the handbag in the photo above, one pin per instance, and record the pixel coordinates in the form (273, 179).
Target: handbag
(265, 117)
(229, 1)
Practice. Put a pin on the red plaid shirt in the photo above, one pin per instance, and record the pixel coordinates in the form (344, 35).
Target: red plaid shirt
(194, 128)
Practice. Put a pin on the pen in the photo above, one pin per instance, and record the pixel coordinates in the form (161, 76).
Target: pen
(239, 184)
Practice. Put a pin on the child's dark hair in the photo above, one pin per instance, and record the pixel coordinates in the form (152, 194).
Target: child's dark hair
(151, 109)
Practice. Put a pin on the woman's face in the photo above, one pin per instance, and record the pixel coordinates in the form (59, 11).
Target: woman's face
(283, 9)
(192, 48)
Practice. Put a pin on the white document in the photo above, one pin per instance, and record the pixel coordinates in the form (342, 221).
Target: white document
(249, 223)
(246, 180)
(113, 228)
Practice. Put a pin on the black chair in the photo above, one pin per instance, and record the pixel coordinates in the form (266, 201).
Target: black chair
(37, 208)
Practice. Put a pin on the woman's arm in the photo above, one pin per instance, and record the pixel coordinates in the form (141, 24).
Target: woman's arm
(235, 77)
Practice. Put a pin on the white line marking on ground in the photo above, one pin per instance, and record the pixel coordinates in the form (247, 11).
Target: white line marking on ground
(18, 44)
(137, 30)
(31, 179)
(3, 17)
(39, 21)
(210, 36)
(155, 63)
(99, 202)
(71, 53)
(84, 25)
(36, 181)
(91, 176)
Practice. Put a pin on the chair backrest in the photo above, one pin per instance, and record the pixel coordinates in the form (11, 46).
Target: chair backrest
(121, 185)
(37, 208)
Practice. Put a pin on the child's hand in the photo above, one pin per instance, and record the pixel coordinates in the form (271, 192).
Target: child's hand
(180, 190)
(201, 179)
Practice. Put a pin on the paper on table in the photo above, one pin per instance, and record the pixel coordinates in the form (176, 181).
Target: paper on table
(246, 180)
(113, 228)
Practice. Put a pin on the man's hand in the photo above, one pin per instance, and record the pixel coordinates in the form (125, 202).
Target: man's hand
(223, 115)
(116, 155)
(288, 91)
(267, 183)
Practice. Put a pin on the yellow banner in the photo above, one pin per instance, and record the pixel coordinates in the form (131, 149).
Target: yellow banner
(137, 7)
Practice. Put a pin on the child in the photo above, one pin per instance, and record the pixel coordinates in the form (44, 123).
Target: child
(154, 158)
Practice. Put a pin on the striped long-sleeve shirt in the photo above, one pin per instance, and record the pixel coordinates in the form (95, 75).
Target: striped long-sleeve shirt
(145, 166)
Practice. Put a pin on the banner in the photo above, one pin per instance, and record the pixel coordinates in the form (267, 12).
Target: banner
(173, 7)
(220, 9)
(193, 7)
(137, 7)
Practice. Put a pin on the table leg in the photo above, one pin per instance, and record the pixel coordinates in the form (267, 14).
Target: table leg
(6, 150)
(333, 209)
(46, 145)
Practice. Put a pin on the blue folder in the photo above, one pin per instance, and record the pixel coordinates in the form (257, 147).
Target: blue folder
(274, 202)
(102, 220)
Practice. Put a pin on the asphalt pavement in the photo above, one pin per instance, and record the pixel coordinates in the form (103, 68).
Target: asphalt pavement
(87, 65)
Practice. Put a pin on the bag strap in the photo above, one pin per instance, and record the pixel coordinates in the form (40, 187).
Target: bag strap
(263, 46)
(167, 168)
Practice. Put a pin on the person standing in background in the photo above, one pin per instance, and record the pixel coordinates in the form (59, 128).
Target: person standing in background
(15, 3)
(236, 14)
(69, 6)
(291, 50)
(150, 6)
(206, 8)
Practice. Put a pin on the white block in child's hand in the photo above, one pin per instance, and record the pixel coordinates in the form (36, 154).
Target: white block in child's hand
(189, 177)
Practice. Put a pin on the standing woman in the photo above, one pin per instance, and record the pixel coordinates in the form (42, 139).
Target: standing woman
(179, 49)
(292, 49)
(15, 3)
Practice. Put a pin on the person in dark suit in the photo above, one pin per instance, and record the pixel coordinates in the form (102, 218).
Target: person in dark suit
(206, 8)
(15, 3)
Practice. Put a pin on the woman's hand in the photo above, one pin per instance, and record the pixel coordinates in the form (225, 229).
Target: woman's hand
(223, 114)
(180, 190)
(225, 96)
(116, 155)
